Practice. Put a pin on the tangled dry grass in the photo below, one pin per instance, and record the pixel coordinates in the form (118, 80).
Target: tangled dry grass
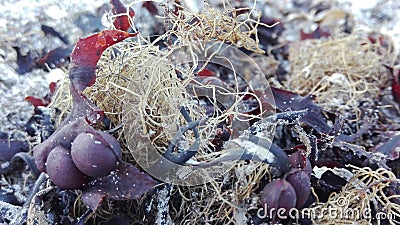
(360, 199)
(341, 71)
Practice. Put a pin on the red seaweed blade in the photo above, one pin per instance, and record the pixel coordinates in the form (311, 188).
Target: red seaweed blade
(126, 183)
(87, 53)
(121, 22)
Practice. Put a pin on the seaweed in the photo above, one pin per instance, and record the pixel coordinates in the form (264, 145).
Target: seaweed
(82, 75)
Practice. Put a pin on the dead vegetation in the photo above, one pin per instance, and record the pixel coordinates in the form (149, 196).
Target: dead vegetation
(139, 91)
(341, 71)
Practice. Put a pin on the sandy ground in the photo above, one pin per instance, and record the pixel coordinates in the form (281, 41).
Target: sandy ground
(20, 25)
